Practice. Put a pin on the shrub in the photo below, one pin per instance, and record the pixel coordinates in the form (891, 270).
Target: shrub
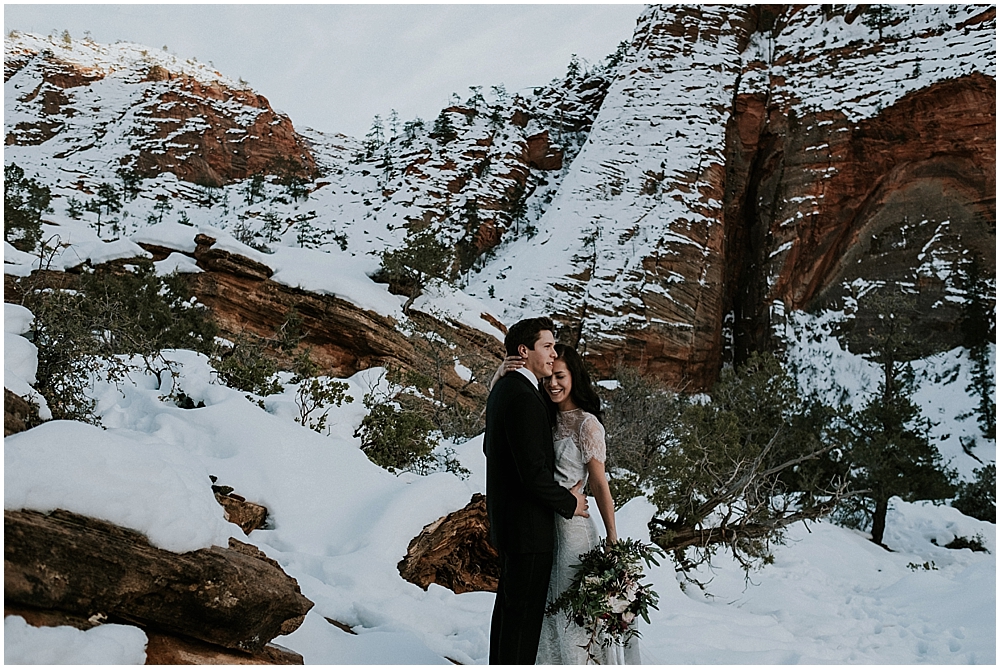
(974, 544)
(394, 438)
(24, 202)
(978, 498)
(245, 366)
(111, 318)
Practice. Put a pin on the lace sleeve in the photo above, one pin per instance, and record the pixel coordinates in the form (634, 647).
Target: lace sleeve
(592, 439)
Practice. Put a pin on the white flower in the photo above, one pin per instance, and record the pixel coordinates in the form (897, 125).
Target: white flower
(591, 580)
(618, 605)
(628, 616)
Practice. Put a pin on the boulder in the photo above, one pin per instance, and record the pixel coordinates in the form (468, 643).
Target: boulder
(247, 515)
(232, 597)
(18, 413)
(164, 648)
(454, 551)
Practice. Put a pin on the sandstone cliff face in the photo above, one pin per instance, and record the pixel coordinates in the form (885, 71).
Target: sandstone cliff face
(862, 182)
(165, 116)
(749, 160)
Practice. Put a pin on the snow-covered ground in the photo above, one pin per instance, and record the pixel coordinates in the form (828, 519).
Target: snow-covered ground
(340, 524)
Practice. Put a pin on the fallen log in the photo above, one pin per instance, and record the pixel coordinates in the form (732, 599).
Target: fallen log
(232, 597)
(454, 551)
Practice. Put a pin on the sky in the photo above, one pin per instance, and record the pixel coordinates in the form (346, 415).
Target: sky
(333, 67)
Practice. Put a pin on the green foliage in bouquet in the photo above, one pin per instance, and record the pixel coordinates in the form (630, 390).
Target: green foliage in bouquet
(605, 596)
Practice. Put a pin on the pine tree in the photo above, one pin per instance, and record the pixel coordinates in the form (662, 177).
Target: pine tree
(978, 327)
(24, 202)
(443, 130)
(890, 451)
(375, 137)
(421, 258)
(131, 182)
(253, 189)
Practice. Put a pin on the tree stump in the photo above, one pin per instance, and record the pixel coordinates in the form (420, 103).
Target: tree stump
(454, 551)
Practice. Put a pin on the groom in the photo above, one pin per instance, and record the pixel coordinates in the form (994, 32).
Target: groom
(522, 497)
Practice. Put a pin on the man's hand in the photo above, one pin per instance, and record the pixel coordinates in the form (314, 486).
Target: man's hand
(581, 500)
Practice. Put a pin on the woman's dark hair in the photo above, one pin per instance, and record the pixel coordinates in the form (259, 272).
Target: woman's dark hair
(583, 393)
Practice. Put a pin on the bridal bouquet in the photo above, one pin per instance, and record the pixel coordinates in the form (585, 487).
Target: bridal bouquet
(605, 596)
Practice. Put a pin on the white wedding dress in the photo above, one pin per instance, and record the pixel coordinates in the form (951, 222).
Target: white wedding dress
(578, 437)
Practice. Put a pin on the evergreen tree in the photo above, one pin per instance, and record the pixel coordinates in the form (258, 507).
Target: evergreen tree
(443, 131)
(475, 100)
(162, 206)
(573, 70)
(375, 137)
(615, 59)
(421, 258)
(74, 208)
(24, 202)
(131, 182)
(394, 123)
(978, 326)
(879, 17)
(890, 451)
(253, 189)
(978, 498)
(410, 131)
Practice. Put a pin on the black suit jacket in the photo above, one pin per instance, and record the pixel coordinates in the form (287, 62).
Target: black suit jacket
(521, 494)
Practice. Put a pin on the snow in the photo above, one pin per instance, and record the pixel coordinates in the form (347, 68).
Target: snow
(20, 357)
(334, 273)
(104, 644)
(340, 524)
(168, 234)
(130, 479)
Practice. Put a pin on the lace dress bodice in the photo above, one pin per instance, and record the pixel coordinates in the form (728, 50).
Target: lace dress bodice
(578, 437)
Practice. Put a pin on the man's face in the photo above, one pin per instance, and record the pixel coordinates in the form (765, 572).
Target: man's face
(539, 359)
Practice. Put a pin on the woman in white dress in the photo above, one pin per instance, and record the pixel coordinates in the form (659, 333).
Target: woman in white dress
(578, 441)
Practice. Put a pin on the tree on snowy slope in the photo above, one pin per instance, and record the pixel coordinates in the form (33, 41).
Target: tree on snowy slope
(727, 471)
(421, 258)
(24, 202)
(979, 330)
(443, 130)
(890, 449)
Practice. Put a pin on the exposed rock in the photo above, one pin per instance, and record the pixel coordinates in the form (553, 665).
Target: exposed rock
(86, 567)
(454, 551)
(542, 155)
(169, 649)
(18, 413)
(247, 515)
(218, 132)
(163, 648)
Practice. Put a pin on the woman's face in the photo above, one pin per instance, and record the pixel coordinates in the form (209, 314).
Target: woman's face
(560, 384)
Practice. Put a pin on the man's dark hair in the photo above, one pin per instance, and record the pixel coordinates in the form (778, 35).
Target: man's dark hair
(526, 332)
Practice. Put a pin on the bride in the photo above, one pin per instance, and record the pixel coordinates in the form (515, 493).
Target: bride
(578, 440)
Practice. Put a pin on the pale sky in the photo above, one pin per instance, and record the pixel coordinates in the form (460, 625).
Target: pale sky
(333, 67)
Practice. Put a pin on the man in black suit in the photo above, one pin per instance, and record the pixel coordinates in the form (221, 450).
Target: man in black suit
(522, 496)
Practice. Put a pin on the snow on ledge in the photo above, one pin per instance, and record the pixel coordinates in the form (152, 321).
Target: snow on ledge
(123, 477)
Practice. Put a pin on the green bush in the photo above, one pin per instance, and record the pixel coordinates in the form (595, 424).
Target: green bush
(396, 439)
(24, 202)
(108, 321)
(245, 366)
(978, 498)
